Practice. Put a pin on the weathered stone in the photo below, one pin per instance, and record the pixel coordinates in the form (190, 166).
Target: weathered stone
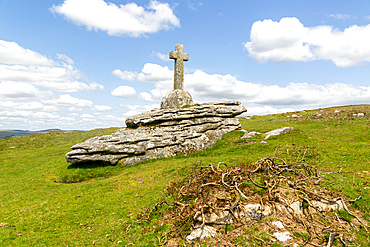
(282, 236)
(202, 233)
(328, 206)
(243, 212)
(176, 99)
(175, 132)
(250, 134)
(278, 131)
(197, 111)
(179, 56)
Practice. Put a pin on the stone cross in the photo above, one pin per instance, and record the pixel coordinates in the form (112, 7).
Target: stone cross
(180, 57)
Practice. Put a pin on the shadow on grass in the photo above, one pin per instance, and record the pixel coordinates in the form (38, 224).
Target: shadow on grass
(84, 171)
(89, 165)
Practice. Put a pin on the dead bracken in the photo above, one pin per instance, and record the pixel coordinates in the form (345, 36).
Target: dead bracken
(265, 203)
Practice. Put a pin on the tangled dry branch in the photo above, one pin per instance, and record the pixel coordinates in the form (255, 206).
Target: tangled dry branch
(219, 195)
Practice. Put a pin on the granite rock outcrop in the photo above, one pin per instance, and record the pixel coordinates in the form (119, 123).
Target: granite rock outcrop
(161, 133)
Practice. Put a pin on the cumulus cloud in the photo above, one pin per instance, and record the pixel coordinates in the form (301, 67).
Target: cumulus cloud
(66, 100)
(62, 79)
(342, 16)
(124, 92)
(10, 90)
(125, 75)
(289, 41)
(261, 98)
(31, 105)
(11, 53)
(154, 72)
(28, 81)
(137, 109)
(161, 56)
(18, 64)
(102, 108)
(150, 73)
(129, 19)
(65, 58)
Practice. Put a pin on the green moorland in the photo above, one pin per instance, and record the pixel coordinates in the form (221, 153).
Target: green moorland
(45, 201)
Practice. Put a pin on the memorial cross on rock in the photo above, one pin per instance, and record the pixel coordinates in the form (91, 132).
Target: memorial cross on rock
(179, 57)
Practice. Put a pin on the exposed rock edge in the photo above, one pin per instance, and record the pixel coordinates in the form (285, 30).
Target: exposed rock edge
(161, 133)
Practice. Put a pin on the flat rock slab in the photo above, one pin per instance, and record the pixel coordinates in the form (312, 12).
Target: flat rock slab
(225, 110)
(278, 131)
(160, 133)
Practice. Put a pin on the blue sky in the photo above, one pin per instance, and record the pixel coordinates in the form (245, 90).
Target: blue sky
(84, 64)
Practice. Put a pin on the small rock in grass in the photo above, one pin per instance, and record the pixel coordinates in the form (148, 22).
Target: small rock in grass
(250, 134)
(202, 233)
(278, 224)
(282, 236)
(278, 131)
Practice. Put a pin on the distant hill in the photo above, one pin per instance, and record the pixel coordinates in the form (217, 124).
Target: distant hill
(4, 133)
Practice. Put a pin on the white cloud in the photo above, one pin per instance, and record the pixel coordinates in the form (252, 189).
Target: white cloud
(137, 109)
(194, 6)
(45, 115)
(18, 64)
(13, 54)
(161, 56)
(125, 75)
(341, 16)
(72, 108)
(147, 97)
(154, 72)
(16, 113)
(66, 100)
(129, 19)
(24, 74)
(85, 115)
(140, 108)
(150, 73)
(102, 108)
(124, 91)
(31, 105)
(62, 79)
(65, 58)
(10, 90)
(289, 40)
(264, 110)
(265, 98)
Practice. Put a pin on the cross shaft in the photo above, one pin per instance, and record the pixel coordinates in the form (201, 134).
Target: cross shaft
(179, 56)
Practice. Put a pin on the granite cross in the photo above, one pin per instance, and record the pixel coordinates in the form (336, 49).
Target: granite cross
(180, 57)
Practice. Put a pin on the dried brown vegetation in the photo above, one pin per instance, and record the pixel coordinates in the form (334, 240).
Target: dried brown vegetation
(290, 193)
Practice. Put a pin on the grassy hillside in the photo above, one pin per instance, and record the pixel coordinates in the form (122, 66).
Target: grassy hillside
(5, 133)
(45, 201)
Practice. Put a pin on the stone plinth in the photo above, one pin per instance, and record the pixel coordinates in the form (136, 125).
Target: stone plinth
(176, 99)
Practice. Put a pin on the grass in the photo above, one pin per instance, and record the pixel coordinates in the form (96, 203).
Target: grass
(45, 201)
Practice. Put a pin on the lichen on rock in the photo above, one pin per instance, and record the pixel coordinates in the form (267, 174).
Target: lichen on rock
(176, 99)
